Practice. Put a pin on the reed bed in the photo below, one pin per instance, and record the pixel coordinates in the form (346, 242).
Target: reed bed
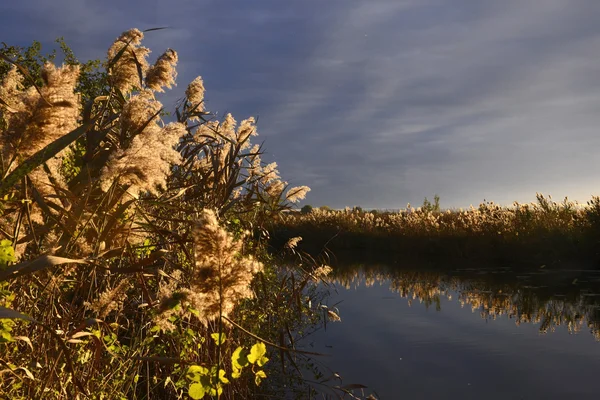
(541, 232)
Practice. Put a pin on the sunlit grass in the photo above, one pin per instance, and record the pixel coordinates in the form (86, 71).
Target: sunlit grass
(132, 262)
(544, 230)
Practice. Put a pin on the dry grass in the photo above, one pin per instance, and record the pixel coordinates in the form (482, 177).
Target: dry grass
(545, 231)
(135, 238)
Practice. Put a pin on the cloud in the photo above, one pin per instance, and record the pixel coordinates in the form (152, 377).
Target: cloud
(384, 102)
(473, 102)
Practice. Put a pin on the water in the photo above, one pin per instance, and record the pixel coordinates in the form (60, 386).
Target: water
(477, 334)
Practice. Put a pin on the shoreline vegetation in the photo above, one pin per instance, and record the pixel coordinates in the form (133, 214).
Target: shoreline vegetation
(133, 260)
(556, 234)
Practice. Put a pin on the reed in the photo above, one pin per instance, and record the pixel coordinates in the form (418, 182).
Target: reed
(132, 260)
(542, 232)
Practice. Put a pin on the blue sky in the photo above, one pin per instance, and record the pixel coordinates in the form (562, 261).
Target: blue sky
(381, 102)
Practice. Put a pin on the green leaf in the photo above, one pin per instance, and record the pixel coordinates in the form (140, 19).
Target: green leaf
(218, 338)
(222, 376)
(257, 354)
(215, 392)
(236, 373)
(205, 381)
(7, 253)
(5, 336)
(262, 361)
(196, 372)
(239, 358)
(198, 369)
(196, 391)
(259, 376)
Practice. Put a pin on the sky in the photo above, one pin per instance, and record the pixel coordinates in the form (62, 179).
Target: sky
(377, 103)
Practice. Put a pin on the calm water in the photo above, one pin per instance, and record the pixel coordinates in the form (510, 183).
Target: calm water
(477, 334)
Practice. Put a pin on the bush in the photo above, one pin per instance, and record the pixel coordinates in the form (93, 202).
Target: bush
(307, 209)
(428, 207)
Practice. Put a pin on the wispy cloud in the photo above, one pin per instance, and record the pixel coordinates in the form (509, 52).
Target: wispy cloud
(467, 101)
(380, 103)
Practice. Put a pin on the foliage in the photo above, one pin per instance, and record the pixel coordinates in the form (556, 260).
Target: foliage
(429, 207)
(204, 381)
(307, 209)
(136, 244)
(7, 253)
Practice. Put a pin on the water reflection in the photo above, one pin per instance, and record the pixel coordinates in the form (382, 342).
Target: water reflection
(419, 334)
(548, 298)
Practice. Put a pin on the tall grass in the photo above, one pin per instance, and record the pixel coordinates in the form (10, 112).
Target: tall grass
(132, 262)
(545, 231)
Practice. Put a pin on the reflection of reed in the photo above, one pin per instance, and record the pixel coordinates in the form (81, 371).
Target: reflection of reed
(490, 299)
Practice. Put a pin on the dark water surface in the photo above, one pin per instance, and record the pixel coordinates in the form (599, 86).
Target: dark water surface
(470, 334)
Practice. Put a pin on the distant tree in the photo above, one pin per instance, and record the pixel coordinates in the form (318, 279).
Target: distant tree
(357, 209)
(429, 207)
(325, 208)
(426, 205)
(307, 209)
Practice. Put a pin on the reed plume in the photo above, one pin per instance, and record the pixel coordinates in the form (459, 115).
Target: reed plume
(124, 74)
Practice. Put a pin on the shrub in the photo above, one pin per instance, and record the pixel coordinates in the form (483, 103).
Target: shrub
(307, 209)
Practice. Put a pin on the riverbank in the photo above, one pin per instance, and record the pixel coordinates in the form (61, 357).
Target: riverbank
(528, 235)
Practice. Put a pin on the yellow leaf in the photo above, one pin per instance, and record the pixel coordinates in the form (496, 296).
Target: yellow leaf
(259, 376)
(257, 352)
(196, 391)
